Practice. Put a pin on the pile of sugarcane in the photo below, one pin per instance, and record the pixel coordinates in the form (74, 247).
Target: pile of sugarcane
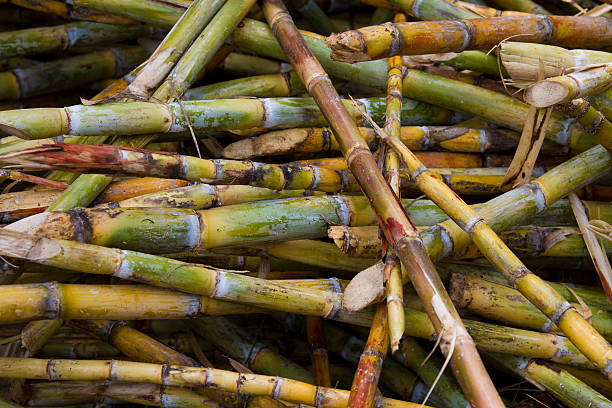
(407, 203)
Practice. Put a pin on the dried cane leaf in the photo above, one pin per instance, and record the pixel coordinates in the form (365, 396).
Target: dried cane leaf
(366, 288)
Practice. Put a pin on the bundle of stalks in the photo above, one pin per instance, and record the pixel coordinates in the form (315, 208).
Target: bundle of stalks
(231, 215)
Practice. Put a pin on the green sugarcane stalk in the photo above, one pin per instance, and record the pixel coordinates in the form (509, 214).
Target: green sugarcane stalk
(43, 40)
(64, 10)
(69, 72)
(258, 356)
(136, 118)
(502, 303)
(242, 65)
(86, 349)
(261, 86)
(558, 382)
(154, 12)
(202, 196)
(593, 297)
(413, 356)
(524, 240)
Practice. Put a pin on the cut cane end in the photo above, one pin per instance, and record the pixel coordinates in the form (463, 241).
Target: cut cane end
(546, 93)
(346, 47)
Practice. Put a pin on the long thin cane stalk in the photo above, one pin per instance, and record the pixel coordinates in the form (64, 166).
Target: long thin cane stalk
(252, 384)
(398, 229)
(395, 303)
(364, 389)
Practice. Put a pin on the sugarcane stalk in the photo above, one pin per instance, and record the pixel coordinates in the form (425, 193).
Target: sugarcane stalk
(316, 253)
(592, 378)
(393, 327)
(318, 350)
(307, 217)
(252, 384)
(593, 121)
(592, 297)
(16, 175)
(526, 241)
(201, 196)
(198, 279)
(328, 176)
(412, 355)
(155, 395)
(161, 304)
(262, 86)
(126, 189)
(69, 72)
(162, 14)
(258, 356)
(475, 61)
(132, 343)
(418, 138)
(562, 89)
(521, 60)
(364, 388)
(502, 303)
(44, 40)
(213, 114)
(62, 9)
(556, 381)
(84, 349)
(247, 65)
(405, 39)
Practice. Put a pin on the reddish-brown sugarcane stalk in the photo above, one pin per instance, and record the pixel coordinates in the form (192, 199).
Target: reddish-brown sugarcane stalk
(318, 348)
(364, 392)
(397, 228)
(434, 37)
